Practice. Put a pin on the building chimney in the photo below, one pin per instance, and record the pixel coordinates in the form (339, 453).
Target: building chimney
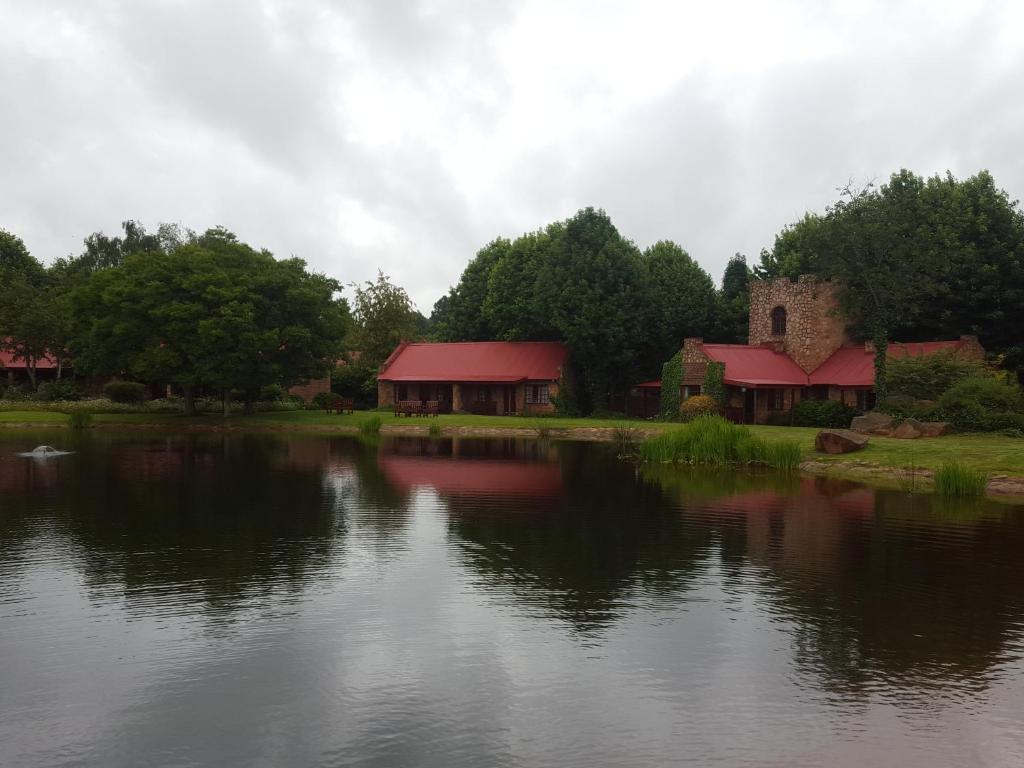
(869, 347)
(693, 342)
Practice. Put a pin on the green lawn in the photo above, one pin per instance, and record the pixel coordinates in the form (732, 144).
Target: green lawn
(986, 453)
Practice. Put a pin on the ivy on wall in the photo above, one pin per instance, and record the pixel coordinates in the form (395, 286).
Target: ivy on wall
(671, 381)
(714, 383)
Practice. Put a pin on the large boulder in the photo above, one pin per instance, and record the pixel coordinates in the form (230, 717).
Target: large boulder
(909, 429)
(871, 423)
(935, 428)
(839, 441)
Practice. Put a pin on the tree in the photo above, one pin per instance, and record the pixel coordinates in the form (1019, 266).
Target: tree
(596, 287)
(681, 296)
(384, 317)
(459, 316)
(732, 304)
(511, 308)
(795, 251)
(213, 312)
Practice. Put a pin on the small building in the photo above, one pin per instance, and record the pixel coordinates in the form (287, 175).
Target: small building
(486, 377)
(799, 349)
(15, 371)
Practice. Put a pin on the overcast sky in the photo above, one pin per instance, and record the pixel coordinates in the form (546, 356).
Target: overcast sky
(405, 135)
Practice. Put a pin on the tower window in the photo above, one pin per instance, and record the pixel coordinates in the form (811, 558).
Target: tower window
(779, 321)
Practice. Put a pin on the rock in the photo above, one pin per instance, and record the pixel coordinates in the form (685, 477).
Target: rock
(935, 428)
(909, 429)
(871, 422)
(839, 441)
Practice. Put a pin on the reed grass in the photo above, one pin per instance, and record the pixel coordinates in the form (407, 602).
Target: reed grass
(79, 419)
(955, 479)
(713, 441)
(370, 425)
(434, 430)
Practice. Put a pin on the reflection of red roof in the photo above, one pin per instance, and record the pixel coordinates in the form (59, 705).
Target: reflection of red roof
(855, 366)
(7, 361)
(656, 384)
(504, 361)
(747, 366)
(474, 476)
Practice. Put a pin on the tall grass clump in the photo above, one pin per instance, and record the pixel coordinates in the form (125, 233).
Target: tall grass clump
(370, 425)
(79, 419)
(711, 440)
(955, 479)
(434, 430)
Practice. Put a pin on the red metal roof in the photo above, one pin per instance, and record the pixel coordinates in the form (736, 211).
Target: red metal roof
(855, 366)
(747, 366)
(7, 361)
(504, 361)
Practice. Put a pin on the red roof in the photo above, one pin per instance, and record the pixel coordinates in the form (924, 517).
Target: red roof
(747, 366)
(7, 361)
(503, 361)
(855, 366)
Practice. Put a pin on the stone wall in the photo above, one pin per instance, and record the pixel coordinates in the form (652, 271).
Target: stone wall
(814, 329)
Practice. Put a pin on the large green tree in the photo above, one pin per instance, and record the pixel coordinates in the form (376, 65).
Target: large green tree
(459, 316)
(682, 299)
(732, 304)
(384, 316)
(213, 312)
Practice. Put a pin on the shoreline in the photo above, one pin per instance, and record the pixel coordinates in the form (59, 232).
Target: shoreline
(1002, 486)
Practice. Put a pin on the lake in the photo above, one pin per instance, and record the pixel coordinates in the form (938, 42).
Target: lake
(275, 600)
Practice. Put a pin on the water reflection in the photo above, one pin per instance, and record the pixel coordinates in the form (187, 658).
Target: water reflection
(491, 602)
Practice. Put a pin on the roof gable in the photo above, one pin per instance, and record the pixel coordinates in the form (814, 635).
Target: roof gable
(747, 366)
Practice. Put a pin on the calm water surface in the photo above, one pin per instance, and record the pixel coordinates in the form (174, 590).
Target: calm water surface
(276, 601)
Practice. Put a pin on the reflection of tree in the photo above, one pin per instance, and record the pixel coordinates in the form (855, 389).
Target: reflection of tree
(215, 517)
(878, 584)
(587, 555)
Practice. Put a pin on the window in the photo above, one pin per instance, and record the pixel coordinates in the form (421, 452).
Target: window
(483, 395)
(865, 399)
(779, 321)
(536, 394)
(775, 400)
(403, 392)
(691, 390)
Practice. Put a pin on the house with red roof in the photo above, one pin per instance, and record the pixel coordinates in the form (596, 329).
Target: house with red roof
(799, 348)
(487, 377)
(15, 369)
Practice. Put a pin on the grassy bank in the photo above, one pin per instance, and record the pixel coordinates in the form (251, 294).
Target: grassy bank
(990, 454)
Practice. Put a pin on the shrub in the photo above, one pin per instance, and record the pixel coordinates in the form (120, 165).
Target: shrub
(926, 377)
(954, 479)
(827, 414)
(906, 407)
(272, 393)
(671, 381)
(79, 419)
(125, 391)
(697, 406)
(434, 430)
(982, 404)
(62, 389)
(321, 400)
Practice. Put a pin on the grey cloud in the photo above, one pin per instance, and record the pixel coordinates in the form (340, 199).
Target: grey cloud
(241, 114)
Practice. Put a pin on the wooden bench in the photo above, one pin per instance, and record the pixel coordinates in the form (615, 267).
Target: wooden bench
(340, 405)
(431, 408)
(408, 407)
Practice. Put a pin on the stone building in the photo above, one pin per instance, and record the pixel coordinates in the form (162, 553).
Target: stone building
(799, 348)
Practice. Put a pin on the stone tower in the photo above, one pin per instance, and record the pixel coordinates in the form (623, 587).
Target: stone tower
(799, 318)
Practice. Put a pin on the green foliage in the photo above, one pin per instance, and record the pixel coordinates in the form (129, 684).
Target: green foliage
(681, 296)
(370, 425)
(714, 383)
(79, 419)
(125, 392)
(273, 393)
(357, 380)
(59, 390)
(983, 404)
(906, 407)
(384, 316)
(926, 377)
(321, 400)
(697, 406)
(671, 381)
(827, 414)
(955, 479)
(711, 440)
(434, 430)
(732, 311)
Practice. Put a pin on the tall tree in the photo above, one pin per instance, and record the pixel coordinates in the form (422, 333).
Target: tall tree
(460, 316)
(512, 307)
(681, 296)
(384, 316)
(732, 304)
